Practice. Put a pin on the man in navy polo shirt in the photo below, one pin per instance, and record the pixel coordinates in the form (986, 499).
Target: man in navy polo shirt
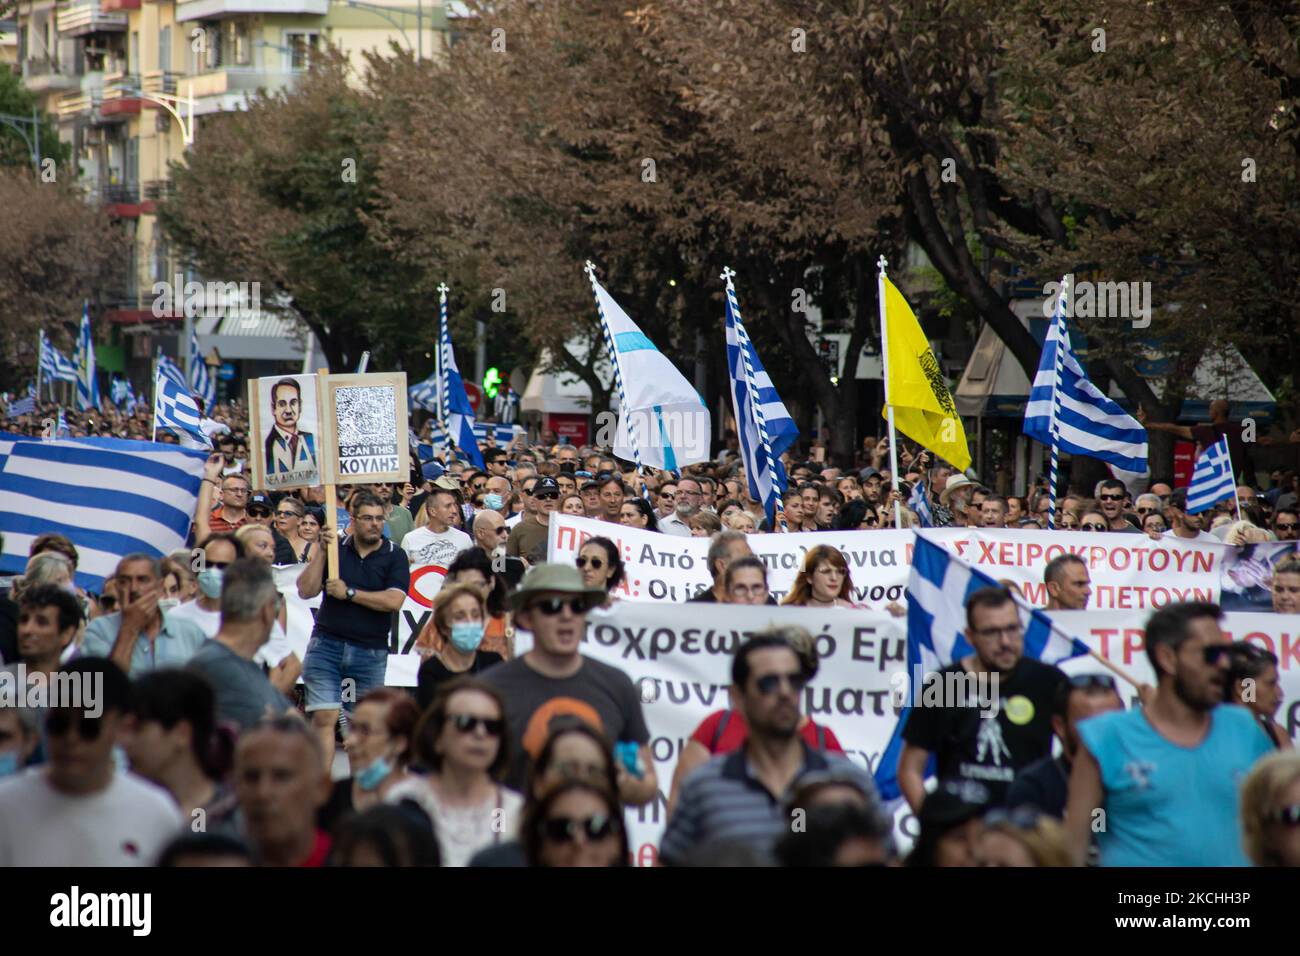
(740, 798)
(348, 651)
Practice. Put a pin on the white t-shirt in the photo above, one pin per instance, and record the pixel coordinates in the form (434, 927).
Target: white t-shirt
(463, 831)
(438, 548)
(126, 824)
(1200, 536)
(514, 519)
(271, 653)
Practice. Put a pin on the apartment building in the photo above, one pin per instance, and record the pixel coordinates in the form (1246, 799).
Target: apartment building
(130, 83)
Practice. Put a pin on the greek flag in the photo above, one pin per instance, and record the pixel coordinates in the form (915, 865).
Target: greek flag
(780, 427)
(175, 409)
(1212, 478)
(1087, 422)
(504, 434)
(55, 366)
(920, 504)
(61, 429)
(937, 591)
(425, 394)
(87, 386)
(23, 406)
(202, 382)
(460, 413)
(109, 496)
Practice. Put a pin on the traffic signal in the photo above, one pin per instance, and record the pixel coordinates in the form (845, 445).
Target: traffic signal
(491, 381)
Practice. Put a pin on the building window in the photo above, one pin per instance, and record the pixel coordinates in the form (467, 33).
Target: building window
(240, 47)
(165, 49)
(302, 48)
(212, 40)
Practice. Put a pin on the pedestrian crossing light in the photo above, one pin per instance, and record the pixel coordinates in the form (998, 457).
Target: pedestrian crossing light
(491, 382)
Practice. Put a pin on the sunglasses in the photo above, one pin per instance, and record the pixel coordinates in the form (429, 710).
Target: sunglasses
(1110, 497)
(1091, 682)
(553, 606)
(1146, 511)
(468, 723)
(1290, 526)
(1092, 527)
(1214, 652)
(768, 683)
(565, 829)
(548, 496)
(287, 514)
(259, 512)
(1288, 815)
(596, 563)
(60, 722)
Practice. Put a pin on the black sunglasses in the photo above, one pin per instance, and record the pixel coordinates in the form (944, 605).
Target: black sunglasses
(1110, 497)
(1092, 527)
(259, 512)
(552, 606)
(547, 496)
(768, 683)
(1091, 682)
(565, 829)
(596, 563)
(1214, 652)
(467, 723)
(60, 722)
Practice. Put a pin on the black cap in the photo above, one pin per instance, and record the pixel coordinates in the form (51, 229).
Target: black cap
(259, 499)
(544, 485)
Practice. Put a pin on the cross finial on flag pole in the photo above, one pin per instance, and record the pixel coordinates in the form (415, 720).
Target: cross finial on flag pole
(443, 289)
(727, 274)
(590, 269)
(881, 263)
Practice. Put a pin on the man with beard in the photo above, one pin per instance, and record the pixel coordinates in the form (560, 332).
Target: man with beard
(1189, 527)
(1164, 778)
(740, 797)
(689, 496)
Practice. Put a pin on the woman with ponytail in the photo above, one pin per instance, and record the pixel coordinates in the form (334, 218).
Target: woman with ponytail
(179, 746)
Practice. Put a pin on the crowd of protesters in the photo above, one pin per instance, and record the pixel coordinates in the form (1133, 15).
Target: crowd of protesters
(217, 745)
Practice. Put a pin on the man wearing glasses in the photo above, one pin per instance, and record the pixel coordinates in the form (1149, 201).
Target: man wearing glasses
(1159, 785)
(741, 797)
(397, 520)
(966, 740)
(553, 680)
(79, 809)
(347, 654)
(687, 503)
(1045, 783)
(1286, 524)
(1111, 501)
(528, 538)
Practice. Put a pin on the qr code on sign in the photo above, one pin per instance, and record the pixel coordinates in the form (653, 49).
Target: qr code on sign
(367, 415)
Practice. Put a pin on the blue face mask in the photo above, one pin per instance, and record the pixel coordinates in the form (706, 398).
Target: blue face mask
(8, 763)
(466, 637)
(210, 582)
(493, 502)
(369, 778)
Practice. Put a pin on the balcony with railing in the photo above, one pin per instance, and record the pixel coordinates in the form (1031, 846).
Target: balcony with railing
(153, 192)
(240, 80)
(88, 16)
(43, 75)
(121, 200)
(216, 9)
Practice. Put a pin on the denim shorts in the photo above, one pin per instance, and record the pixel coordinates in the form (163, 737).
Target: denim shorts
(329, 662)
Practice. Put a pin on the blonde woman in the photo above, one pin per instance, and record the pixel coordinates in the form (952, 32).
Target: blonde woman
(1270, 810)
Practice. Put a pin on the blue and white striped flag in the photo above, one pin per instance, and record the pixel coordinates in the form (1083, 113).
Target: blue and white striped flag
(87, 385)
(458, 410)
(175, 409)
(55, 366)
(937, 591)
(1087, 422)
(503, 434)
(61, 429)
(920, 503)
(109, 496)
(23, 406)
(202, 382)
(780, 427)
(425, 394)
(1212, 478)
(131, 400)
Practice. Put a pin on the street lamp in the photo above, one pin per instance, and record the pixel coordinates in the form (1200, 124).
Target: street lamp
(383, 12)
(168, 102)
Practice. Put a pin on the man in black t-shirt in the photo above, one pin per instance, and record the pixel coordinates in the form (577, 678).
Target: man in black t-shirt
(554, 681)
(968, 738)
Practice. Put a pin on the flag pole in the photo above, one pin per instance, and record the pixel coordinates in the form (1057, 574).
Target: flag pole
(742, 339)
(884, 376)
(40, 356)
(590, 269)
(444, 363)
(1227, 447)
(1058, 322)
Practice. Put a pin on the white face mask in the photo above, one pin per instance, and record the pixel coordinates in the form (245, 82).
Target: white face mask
(166, 604)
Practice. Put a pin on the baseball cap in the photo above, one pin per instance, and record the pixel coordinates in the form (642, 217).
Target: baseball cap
(432, 470)
(866, 473)
(544, 485)
(258, 501)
